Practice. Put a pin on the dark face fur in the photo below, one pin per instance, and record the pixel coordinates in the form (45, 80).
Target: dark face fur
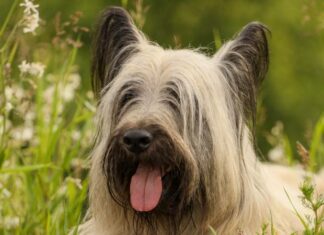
(181, 163)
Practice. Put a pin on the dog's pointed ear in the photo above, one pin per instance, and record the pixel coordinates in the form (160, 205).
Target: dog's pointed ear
(244, 62)
(116, 40)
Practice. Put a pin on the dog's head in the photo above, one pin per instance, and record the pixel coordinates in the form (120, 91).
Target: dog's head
(172, 122)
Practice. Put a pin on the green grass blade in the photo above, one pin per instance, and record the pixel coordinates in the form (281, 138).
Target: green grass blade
(296, 212)
(6, 21)
(316, 152)
(24, 169)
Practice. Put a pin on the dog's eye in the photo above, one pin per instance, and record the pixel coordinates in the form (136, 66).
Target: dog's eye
(128, 96)
(173, 99)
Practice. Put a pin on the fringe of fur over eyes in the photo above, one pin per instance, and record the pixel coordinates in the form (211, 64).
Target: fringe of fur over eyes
(201, 112)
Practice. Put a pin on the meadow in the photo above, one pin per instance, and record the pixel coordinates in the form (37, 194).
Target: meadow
(47, 126)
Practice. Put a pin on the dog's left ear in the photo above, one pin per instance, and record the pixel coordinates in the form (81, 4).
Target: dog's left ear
(116, 40)
(244, 62)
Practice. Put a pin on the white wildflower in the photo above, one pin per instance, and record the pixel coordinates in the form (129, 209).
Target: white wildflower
(68, 92)
(78, 163)
(74, 80)
(31, 22)
(9, 106)
(33, 69)
(11, 222)
(277, 129)
(76, 181)
(48, 94)
(29, 6)
(6, 193)
(8, 92)
(31, 18)
(27, 133)
(24, 67)
(30, 116)
(89, 95)
(76, 135)
(23, 134)
(276, 154)
(58, 120)
(63, 190)
(19, 93)
(37, 69)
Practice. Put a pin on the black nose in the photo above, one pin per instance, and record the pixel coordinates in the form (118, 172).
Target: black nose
(137, 140)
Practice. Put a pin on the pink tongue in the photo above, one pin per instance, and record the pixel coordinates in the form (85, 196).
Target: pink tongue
(145, 188)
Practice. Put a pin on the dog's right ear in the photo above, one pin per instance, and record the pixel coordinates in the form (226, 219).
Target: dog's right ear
(244, 61)
(116, 40)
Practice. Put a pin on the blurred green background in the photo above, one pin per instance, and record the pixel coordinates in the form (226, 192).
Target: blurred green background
(294, 89)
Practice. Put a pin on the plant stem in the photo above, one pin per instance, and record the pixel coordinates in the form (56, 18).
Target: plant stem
(11, 11)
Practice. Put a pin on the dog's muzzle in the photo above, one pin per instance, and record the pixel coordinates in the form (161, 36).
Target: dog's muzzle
(148, 170)
(146, 183)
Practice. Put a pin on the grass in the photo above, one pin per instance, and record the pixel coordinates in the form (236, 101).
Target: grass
(45, 134)
(46, 131)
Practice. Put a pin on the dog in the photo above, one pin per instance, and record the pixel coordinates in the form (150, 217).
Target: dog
(174, 150)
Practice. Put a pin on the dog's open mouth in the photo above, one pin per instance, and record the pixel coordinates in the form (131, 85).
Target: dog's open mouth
(146, 188)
